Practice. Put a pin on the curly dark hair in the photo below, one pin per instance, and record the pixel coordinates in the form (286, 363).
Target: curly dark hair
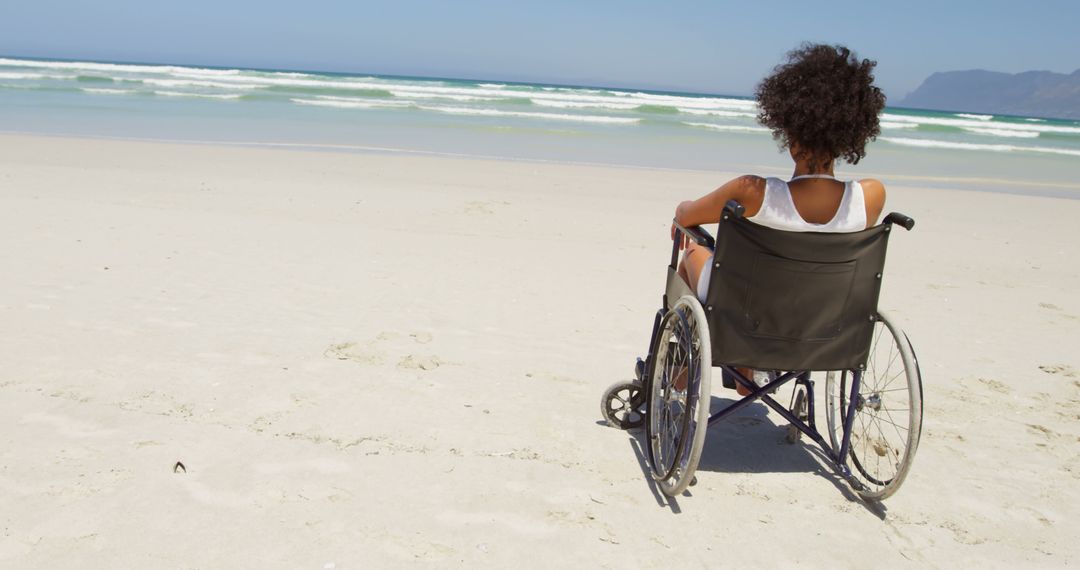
(824, 100)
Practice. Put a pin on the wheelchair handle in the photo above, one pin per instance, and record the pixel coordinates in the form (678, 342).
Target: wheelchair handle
(696, 233)
(734, 208)
(899, 219)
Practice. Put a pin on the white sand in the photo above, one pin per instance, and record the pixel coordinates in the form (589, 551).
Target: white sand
(383, 361)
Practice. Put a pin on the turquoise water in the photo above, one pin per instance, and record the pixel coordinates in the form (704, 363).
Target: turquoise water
(509, 120)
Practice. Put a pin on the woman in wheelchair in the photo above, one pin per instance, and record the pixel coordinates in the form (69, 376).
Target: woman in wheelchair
(822, 106)
(789, 286)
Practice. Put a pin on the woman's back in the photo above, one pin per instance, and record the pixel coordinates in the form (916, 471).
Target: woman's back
(812, 203)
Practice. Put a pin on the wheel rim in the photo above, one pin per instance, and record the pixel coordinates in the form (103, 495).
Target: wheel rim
(668, 414)
(887, 413)
(676, 419)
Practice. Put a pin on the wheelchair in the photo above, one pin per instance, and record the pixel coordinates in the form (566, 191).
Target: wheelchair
(793, 306)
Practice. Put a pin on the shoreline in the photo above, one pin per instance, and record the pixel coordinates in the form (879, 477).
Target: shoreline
(1068, 191)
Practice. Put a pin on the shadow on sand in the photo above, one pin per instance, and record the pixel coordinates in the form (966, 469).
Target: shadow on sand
(751, 442)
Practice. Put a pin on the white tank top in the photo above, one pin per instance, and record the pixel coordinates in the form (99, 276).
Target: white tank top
(778, 210)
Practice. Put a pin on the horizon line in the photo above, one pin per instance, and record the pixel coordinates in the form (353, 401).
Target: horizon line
(387, 75)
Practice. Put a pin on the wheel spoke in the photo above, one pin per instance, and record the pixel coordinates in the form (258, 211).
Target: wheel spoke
(898, 426)
(887, 448)
(904, 389)
(892, 358)
(890, 381)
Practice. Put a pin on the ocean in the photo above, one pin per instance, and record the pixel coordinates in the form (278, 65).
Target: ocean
(489, 119)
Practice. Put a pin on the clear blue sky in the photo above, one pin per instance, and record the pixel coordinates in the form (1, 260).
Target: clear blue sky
(716, 47)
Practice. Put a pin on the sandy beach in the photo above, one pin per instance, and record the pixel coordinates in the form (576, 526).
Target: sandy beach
(380, 361)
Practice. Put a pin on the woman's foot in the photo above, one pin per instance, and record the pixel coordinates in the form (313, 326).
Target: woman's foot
(747, 373)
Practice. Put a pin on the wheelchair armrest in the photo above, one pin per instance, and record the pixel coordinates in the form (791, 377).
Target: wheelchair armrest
(702, 237)
(900, 220)
(698, 234)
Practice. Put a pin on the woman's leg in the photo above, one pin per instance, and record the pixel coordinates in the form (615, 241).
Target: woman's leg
(695, 260)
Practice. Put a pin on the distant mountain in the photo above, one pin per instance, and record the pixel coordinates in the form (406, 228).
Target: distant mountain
(1031, 93)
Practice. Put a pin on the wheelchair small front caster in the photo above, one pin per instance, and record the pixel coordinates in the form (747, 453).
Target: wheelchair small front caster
(798, 409)
(623, 405)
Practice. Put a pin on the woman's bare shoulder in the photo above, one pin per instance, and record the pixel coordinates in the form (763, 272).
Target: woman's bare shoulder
(749, 181)
(751, 192)
(874, 197)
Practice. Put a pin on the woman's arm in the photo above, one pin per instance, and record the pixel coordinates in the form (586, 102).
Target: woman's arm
(748, 190)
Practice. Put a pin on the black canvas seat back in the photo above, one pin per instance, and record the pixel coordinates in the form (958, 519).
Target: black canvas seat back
(794, 300)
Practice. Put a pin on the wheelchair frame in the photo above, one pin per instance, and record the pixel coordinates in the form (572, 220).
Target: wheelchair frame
(836, 454)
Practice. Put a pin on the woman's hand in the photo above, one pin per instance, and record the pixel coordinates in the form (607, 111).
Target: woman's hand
(681, 209)
(684, 242)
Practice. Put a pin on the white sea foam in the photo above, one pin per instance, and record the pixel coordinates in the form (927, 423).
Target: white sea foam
(1036, 120)
(970, 123)
(728, 128)
(423, 95)
(927, 143)
(114, 67)
(543, 94)
(547, 116)
(716, 113)
(383, 102)
(107, 91)
(291, 74)
(199, 95)
(181, 83)
(696, 102)
(241, 79)
(976, 117)
(353, 103)
(6, 75)
(1003, 133)
(892, 125)
(582, 104)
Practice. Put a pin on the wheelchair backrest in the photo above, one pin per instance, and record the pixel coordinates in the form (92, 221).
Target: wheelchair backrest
(794, 300)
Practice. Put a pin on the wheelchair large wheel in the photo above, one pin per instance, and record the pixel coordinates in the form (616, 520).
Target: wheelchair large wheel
(888, 413)
(678, 396)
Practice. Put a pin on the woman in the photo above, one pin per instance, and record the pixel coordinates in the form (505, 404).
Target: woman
(821, 105)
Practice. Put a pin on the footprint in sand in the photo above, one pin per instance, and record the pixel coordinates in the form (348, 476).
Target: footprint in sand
(961, 534)
(554, 378)
(1053, 307)
(1041, 430)
(483, 207)
(377, 351)
(159, 403)
(363, 354)
(995, 385)
(1062, 369)
(419, 362)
